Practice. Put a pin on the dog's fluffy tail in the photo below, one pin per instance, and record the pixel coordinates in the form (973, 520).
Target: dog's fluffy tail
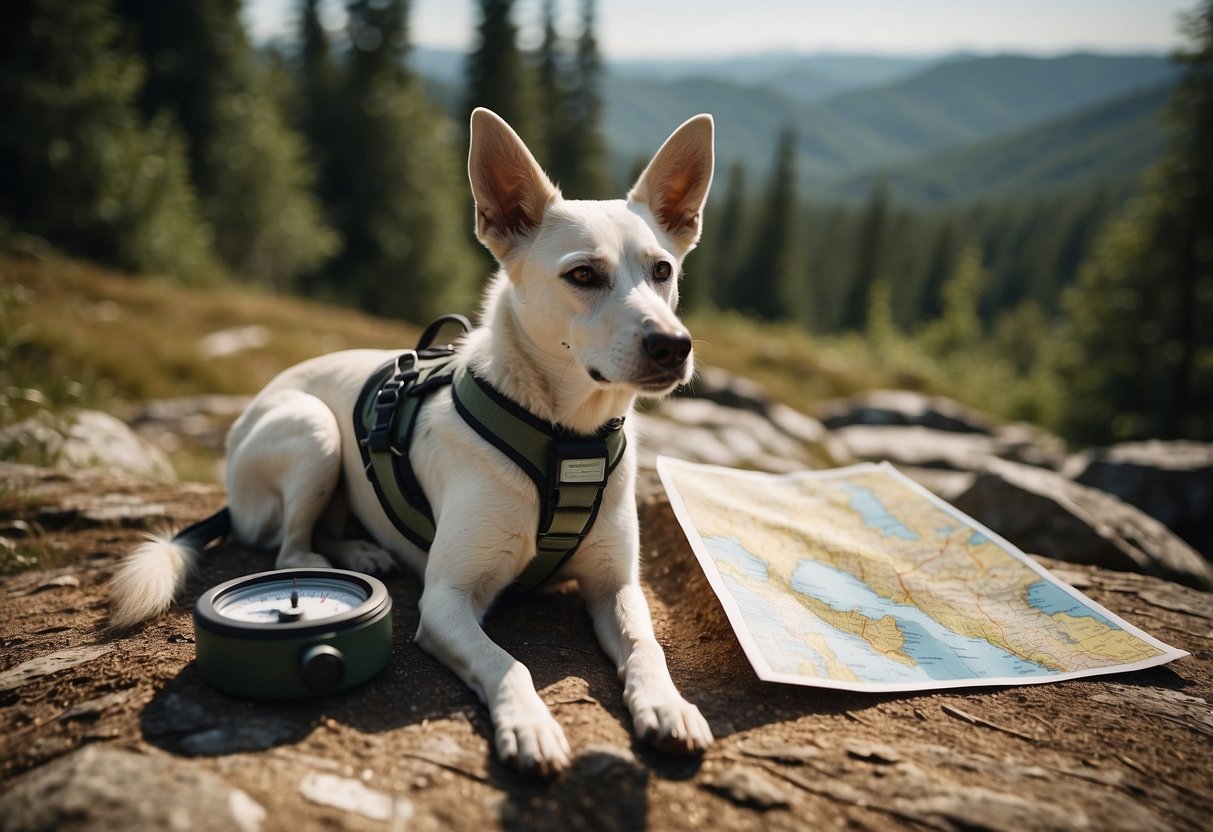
(148, 579)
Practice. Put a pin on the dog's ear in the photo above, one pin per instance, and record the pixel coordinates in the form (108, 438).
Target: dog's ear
(510, 189)
(675, 184)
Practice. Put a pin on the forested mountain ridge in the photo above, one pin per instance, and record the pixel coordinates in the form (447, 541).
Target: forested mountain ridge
(855, 117)
(1110, 143)
(964, 101)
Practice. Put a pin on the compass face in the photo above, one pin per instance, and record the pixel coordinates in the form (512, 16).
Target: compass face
(293, 599)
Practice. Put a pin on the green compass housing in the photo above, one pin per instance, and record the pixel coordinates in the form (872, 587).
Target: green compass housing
(293, 633)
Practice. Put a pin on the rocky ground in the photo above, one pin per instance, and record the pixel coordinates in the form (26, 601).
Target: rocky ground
(117, 731)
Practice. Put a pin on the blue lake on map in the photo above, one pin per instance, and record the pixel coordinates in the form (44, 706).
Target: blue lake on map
(938, 653)
(875, 515)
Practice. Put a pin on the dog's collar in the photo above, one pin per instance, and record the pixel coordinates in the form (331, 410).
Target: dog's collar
(570, 470)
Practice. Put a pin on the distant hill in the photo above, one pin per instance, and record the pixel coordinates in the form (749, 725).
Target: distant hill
(804, 77)
(640, 114)
(855, 115)
(1111, 143)
(964, 101)
(807, 77)
(946, 106)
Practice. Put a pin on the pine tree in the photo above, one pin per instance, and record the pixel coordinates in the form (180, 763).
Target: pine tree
(317, 108)
(499, 76)
(959, 327)
(940, 267)
(772, 283)
(1141, 352)
(725, 237)
(869, 267)
(246, 163)
(80, 164)
(573, 105)
(551, 64)
(395, 184)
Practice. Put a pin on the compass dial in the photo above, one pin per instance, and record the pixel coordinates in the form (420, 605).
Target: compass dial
(295, 599)
(293, 633)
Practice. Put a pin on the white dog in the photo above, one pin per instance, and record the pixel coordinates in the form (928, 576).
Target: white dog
(577, 323)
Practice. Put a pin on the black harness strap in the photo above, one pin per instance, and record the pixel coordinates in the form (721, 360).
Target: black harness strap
(384, 419)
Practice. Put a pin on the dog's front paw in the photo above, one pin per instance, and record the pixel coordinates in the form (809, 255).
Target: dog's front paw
(673, 725)
(532, 742)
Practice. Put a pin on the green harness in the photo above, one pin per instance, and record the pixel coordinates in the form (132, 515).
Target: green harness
(569, 470)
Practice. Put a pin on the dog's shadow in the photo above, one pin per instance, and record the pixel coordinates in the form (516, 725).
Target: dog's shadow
(552, 634)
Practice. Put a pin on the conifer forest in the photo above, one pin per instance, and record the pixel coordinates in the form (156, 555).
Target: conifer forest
(1069, 270)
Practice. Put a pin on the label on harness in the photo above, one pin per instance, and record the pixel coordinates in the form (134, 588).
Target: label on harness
(583, 470)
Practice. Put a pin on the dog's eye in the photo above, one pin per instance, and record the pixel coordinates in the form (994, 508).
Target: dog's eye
(662, 271)
(583, 276)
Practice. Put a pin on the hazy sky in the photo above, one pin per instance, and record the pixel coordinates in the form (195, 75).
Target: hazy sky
(655, 29)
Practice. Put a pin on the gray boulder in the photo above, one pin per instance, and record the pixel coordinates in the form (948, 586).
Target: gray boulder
(1044, 513)
(917, 446)
(701, 430)
(1170, 481)
(724, 388)
(904, 408)
(195, 420)
(84, 439)
(99, 788)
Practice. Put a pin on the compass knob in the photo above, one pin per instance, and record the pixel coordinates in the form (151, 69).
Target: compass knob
(322, 668)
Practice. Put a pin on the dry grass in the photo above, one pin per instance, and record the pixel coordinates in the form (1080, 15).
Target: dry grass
(84, 333)
(793, 366)
(80, 334)
(76, 334)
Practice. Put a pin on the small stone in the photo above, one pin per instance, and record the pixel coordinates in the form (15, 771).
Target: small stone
(27, 672)
(350, 795)
(59, 582)
(872, 752)
(93, 708)
(748, 786)
(782, 752)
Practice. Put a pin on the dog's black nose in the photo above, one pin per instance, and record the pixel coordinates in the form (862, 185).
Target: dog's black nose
(668, 350)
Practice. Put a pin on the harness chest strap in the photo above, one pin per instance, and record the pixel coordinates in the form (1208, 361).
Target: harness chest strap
(570, 471)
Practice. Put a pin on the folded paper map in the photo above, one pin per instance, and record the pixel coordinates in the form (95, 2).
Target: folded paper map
(859, 579)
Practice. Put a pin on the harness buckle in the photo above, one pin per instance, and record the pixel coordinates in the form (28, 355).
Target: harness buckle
(387, 400)
(579, 462)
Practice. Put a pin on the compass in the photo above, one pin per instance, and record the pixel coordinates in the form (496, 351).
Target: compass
(293, 633)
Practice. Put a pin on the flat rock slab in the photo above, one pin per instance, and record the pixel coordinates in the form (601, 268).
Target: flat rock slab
(132, 738)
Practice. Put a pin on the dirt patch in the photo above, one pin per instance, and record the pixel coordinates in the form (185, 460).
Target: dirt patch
(411, 749)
